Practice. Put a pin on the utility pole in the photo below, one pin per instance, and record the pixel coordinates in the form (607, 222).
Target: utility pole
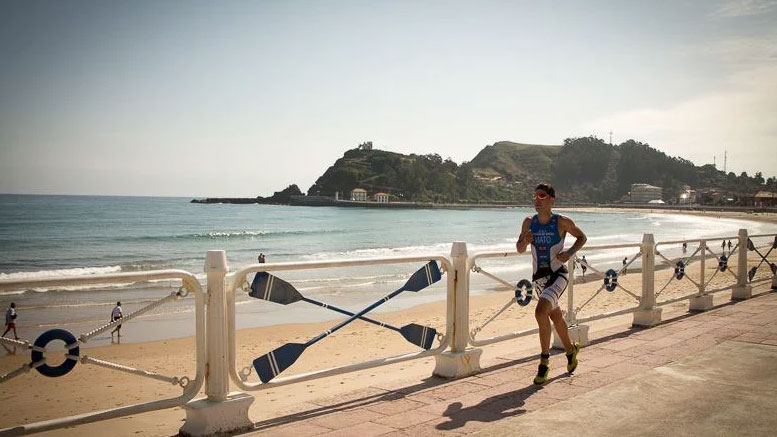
(715, 161)
(611, 137)
(725, 161)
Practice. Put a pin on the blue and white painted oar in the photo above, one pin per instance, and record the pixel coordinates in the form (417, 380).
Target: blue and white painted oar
(274, 289)
(270, 365)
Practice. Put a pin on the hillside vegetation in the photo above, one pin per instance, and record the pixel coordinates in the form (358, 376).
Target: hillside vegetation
(582, 169)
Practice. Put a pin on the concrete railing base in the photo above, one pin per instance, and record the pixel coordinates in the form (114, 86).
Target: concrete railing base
(700, 303)
(742, 293)
(458, 364)
(204, 417)
(577, 333)
(647, 318)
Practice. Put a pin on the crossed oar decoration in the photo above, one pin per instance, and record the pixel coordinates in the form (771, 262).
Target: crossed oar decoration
(268, 287)
(773, 267)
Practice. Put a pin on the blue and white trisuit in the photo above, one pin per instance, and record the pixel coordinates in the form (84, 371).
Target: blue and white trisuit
(549, 274)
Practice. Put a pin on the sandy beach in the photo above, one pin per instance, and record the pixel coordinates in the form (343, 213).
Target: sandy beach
(33, 397)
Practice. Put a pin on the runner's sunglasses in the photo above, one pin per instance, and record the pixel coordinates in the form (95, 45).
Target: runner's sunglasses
(540, 195)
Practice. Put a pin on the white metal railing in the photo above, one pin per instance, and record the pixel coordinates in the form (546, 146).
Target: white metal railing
(704, 251)
(239, 282)
(472, 266)
(647, 298)
(771, 245)
(610, 283)
(73, 355)
(215, 315)
(572, 311)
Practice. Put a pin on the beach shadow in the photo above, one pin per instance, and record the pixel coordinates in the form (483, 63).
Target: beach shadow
(333, 406)
(492, 409)
(10, 350)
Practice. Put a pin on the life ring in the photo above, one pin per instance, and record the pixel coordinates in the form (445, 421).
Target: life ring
(679, 270)
(723, 263)
(610, 280)
(67, 365)
(523, 292)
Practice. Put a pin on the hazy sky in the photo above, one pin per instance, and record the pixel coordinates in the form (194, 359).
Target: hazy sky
(242, 98)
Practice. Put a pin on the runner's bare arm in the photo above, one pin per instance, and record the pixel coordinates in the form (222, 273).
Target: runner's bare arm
(567, 226)
(525, 237)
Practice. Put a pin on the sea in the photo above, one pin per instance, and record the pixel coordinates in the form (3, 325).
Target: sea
(50, 236)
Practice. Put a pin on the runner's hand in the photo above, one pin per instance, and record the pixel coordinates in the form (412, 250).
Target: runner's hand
(563, 257)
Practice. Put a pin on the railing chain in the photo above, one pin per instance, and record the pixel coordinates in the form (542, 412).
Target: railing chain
(182, 292)
(174, 380)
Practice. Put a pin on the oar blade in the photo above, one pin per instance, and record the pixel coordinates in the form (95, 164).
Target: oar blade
(419, 335)
(269, 287)
(426, 276)
(270, 365)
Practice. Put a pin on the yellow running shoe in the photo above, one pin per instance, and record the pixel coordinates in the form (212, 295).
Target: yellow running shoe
(572, 357)
(542, 374)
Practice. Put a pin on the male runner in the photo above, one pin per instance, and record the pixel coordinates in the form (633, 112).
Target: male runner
(545, 232)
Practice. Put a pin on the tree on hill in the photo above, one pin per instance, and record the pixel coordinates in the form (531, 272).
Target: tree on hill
(584, 169)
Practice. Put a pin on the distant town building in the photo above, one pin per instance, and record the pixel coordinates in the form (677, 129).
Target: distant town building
(765, 198)
(367, 145)
(687, 197)
(708, 195)
(359, 194)
(381, 197)
(644, 193)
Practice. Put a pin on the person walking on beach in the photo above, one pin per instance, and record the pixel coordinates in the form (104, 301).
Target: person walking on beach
(10, 320)
(116, 314)
(261, 258)
(545, 232)
(624, 264)
(583, 265)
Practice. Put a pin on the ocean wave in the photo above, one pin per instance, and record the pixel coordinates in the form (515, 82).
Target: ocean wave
(81, 272)
(228, 235)
(87, 305)
(58, 273)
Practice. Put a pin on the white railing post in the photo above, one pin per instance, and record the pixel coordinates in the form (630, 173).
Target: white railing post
(742, 290)
(578, 333)
(221, 412)
(702, 302)
(460, 361)
(217, 380)
(648, 315)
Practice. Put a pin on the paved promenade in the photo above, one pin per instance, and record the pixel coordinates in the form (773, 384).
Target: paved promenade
(711, 373)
